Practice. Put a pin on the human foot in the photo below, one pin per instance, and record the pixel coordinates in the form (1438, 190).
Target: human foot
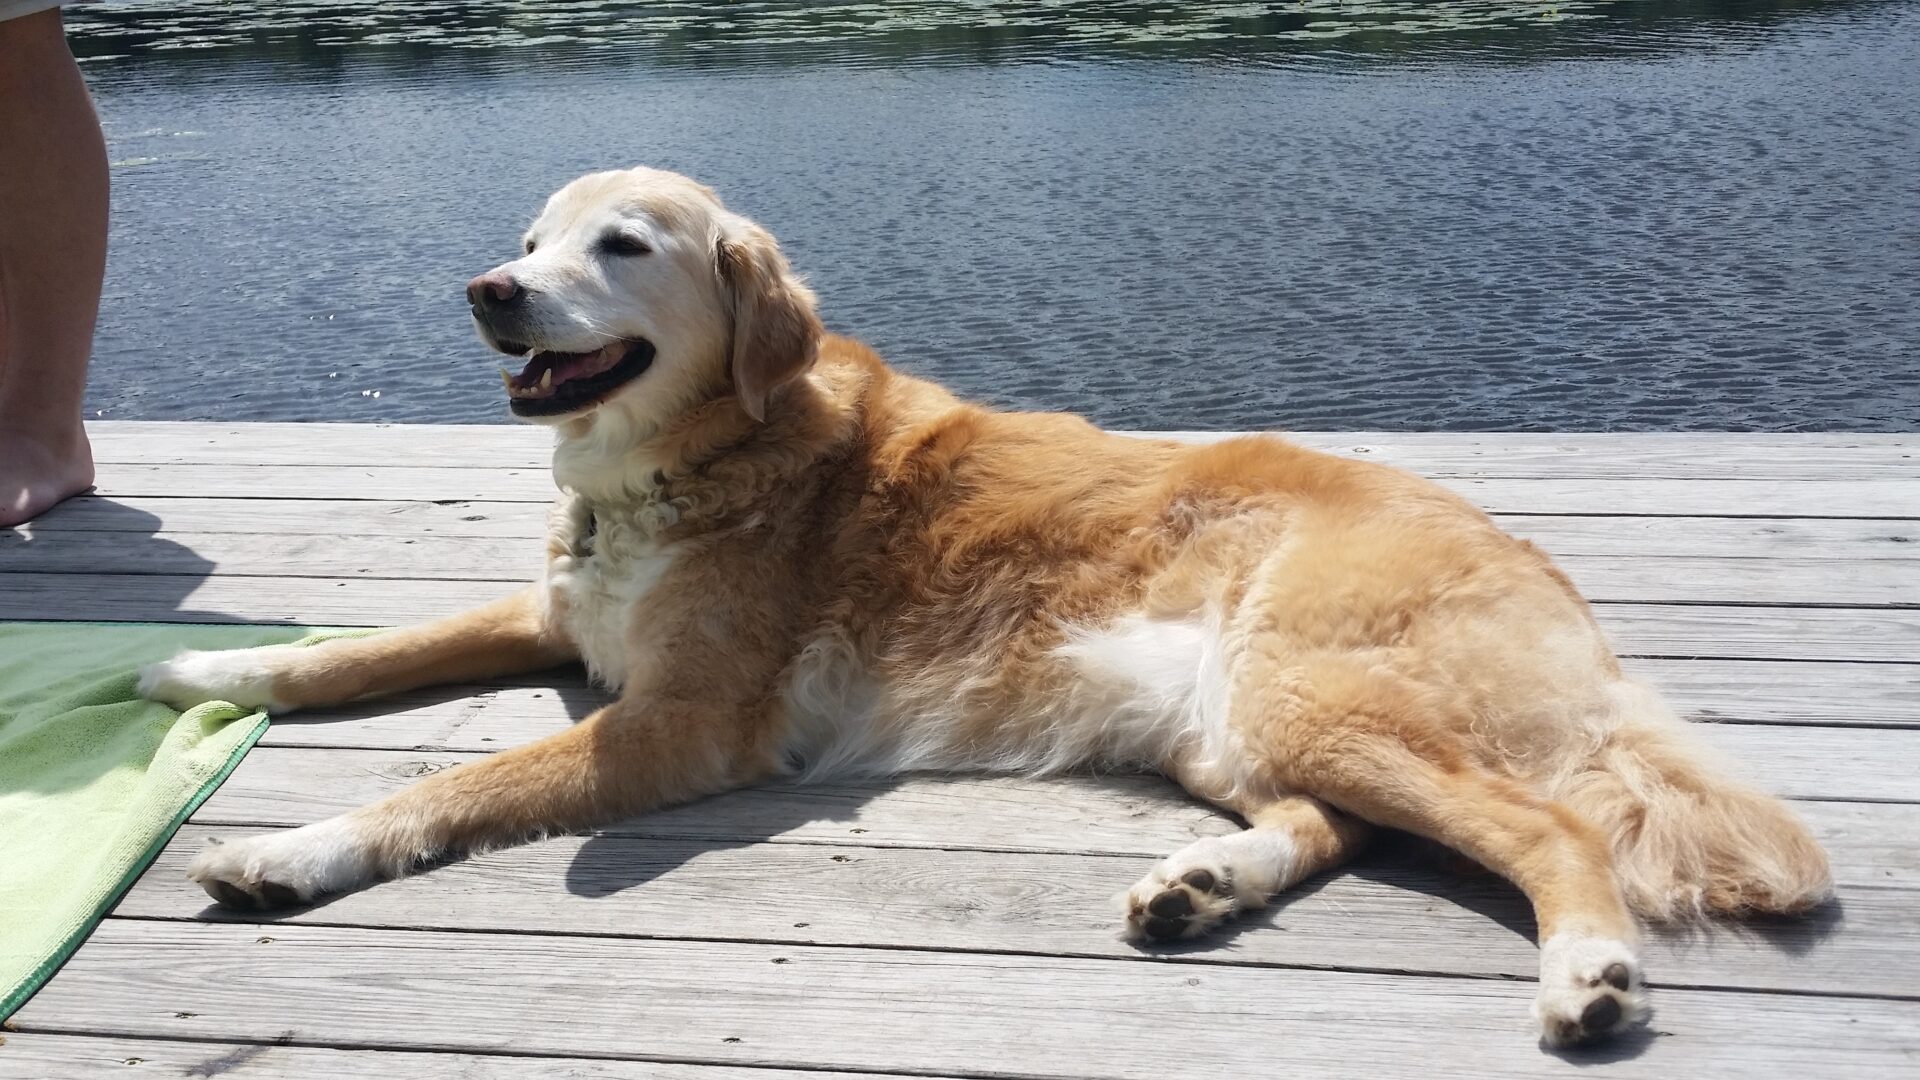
(36, 474)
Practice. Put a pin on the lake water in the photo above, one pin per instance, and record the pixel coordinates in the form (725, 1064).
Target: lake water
(1654, 215)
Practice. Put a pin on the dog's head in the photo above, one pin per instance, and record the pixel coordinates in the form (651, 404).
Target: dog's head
(639, 296)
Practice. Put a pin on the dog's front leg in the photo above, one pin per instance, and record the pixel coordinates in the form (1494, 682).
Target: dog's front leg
(632, 756)
(506, 637)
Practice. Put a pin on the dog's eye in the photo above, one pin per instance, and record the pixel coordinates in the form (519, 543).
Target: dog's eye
(529, 245)
(622, 244)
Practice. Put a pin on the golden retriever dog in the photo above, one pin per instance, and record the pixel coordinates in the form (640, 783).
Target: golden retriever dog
(790, 560)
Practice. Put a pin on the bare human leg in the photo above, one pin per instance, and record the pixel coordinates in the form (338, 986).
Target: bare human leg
(53, 250)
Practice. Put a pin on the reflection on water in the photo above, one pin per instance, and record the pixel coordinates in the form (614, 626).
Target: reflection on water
(1309, 214)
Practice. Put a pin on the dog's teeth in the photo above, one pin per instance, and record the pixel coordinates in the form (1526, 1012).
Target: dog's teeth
(506, 380)
(546, 379)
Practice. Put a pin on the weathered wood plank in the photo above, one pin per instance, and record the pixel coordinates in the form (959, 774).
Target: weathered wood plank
(1704, 632)
(1886, 635)
(1822, 763)
(890, 1010)
(342, 555)
(1887, 498)
(479, 446)
(36, 1056)
(1640, 455)
(382, 482)
(1614, 579)
(1884, 499)
(1618, 455)
(1386, 913)
(1607, 578)
(151, 514)
(1797, 693)
(1655, 537)
(1870, 843)
(1706, 537)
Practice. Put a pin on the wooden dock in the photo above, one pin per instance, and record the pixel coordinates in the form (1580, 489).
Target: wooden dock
(964, 927)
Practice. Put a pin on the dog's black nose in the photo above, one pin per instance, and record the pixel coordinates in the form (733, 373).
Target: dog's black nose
(494, 289)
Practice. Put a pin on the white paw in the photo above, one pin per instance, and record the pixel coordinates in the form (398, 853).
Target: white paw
(1590, 988)
(283, 869)
(243, 677)
(1189, 893)
(1201, 885)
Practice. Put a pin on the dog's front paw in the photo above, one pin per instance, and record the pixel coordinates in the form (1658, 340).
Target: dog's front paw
(281, 870)
(1590, 989)
(243, 677)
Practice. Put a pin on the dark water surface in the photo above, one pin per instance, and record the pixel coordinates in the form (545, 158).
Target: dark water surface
(1316, 215)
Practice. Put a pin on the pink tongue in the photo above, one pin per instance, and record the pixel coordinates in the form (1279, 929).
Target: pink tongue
(587, 364)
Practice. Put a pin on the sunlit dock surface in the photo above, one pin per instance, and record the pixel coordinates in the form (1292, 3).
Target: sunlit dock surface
(1770, 584)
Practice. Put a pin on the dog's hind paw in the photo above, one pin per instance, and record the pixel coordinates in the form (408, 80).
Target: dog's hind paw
(1590, 990)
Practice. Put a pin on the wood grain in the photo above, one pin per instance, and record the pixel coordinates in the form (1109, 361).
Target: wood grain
(959, 926)
(90, 1057)
(1394, 911)
(153, 514)
(1871, 843)
(892, 1010)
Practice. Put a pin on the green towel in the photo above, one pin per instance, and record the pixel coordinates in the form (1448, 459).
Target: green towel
(93, 780)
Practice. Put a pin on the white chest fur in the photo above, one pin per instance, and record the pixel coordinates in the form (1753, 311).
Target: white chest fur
(600, 588)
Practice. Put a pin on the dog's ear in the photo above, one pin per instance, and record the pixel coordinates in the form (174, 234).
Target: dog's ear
(776, 332)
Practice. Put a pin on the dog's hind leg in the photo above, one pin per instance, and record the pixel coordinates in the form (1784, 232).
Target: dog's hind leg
(508, 636)
(1382, 746)
(1191, 891)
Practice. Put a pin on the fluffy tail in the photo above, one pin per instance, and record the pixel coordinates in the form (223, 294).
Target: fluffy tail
(1687, 841)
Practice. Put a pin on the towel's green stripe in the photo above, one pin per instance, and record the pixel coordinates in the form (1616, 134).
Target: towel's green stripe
(85, 929)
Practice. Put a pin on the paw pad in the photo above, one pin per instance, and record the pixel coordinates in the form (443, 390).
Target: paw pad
(1589, 990)
(1598, 1021)
(265, 895)
(230, 896)
(1164, 910)
(1201, 879)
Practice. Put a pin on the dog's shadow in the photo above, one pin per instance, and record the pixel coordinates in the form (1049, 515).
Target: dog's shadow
(636, 853)
(631, 853)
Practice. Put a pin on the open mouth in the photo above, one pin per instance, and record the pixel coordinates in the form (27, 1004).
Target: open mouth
(553, 383)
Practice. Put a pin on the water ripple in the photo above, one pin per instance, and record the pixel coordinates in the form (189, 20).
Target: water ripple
(1675, 215)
